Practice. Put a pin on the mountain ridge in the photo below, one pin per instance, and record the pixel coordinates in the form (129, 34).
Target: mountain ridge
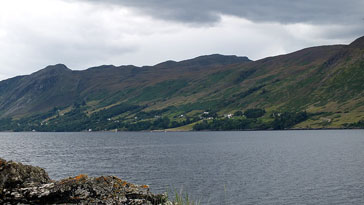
(358, 43)
(323, 79)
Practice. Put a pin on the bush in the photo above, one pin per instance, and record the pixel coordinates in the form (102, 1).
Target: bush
(288, 119)
(254, 113)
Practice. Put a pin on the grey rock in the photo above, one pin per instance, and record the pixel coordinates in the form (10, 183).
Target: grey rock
(24, 184)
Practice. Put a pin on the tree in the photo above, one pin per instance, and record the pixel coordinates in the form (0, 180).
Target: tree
(238, 113)
(254, 113)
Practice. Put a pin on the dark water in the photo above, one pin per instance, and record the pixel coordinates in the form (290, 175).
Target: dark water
(268, 167)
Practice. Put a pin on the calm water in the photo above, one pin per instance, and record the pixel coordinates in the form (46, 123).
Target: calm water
(268, 167)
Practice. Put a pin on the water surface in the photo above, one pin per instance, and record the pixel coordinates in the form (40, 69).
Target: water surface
(260, 167)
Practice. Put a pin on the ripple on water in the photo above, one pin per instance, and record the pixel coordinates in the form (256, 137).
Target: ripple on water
(268, 167)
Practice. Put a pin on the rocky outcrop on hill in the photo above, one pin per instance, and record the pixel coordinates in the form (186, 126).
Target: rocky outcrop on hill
(24, 184)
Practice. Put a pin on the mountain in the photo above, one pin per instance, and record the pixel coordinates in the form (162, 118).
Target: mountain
(325, 83)
(58, 86)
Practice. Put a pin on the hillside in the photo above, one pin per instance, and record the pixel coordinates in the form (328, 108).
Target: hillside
(319, 87)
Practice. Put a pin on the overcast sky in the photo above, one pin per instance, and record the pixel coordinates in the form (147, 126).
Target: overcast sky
(85, 33)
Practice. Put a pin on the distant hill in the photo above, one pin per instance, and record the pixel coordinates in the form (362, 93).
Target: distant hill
(325, 83)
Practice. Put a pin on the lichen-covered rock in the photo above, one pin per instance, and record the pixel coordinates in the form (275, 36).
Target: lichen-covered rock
(23, 184)
(16, 175)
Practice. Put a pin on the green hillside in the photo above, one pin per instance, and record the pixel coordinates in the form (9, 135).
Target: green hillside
(319, 87)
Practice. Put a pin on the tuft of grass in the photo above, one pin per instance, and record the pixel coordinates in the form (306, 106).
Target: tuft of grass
(181, 198)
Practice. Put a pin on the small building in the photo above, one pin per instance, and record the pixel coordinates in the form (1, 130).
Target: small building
(228, 115)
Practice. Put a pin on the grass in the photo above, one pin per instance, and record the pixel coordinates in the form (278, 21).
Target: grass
(181, 198)
(288, 84)
(161, 90)
(188, 127)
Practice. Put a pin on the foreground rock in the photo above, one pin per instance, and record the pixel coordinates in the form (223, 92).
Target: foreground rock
(24, 184)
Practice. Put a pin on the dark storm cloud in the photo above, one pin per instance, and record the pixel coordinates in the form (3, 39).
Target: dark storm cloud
(281, 11)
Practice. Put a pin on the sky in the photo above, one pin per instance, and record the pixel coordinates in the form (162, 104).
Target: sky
(87, 33)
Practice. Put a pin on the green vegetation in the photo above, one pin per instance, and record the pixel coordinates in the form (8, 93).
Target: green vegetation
(359, 124)
(319, 87)
(131, 118)
(229, 124)
(114, 111)
(288, 119)
(244, 75)
(122, 117)
(252, 120)
(161, 90)
(183, 199)
(249, 91)
(254, 113)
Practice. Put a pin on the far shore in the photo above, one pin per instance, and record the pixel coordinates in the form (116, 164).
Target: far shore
(176, 130)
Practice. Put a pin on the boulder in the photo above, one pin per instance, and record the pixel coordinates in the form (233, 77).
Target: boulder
(16, 175)
(24, 184)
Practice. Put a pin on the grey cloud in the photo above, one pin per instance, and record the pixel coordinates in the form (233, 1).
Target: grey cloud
(282, 11)
(346, 15)
(96, 32)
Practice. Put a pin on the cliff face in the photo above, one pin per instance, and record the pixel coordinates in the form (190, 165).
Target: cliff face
(24, 184)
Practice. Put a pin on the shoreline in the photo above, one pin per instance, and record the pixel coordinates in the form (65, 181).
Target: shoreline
(164, 131)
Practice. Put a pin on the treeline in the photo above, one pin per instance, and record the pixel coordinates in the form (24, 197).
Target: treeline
(158, 124)
(251, 122)
(288, 119)
(359, 124)
(230, 124)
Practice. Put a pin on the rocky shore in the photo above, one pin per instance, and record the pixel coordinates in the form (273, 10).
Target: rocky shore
(25, 184)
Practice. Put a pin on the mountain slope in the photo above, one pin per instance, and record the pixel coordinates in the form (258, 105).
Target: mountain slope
(59, 86)
(325, 81)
